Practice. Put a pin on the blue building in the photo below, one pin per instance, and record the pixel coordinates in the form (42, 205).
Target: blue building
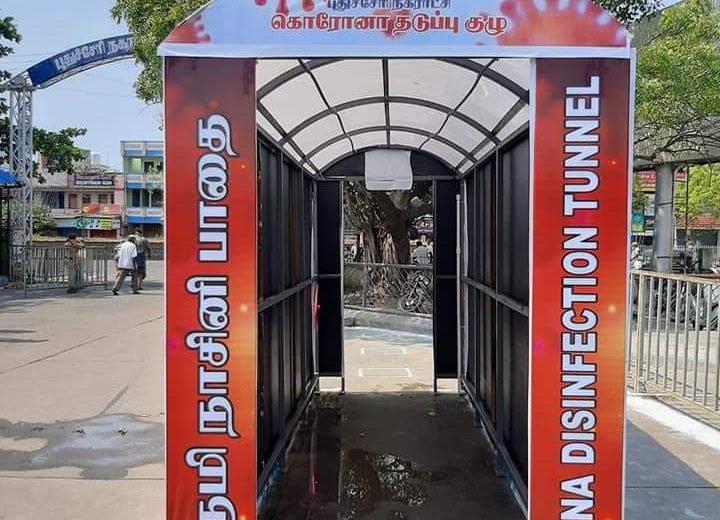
(144, 175)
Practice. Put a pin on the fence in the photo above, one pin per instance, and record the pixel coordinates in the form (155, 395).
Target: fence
(675, 344)
(405, 289)
(701, 257)
(37, 267)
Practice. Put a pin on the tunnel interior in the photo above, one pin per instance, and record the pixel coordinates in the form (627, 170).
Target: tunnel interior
(465, 124)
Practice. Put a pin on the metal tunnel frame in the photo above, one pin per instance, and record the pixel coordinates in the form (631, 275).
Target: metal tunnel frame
(267, 112)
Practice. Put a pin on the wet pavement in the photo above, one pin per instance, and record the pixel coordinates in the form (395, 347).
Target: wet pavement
(389, 457)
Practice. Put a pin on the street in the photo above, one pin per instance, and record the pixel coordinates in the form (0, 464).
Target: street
(81, 412)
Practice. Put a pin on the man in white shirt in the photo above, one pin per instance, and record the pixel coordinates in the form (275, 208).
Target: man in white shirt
(126, 265)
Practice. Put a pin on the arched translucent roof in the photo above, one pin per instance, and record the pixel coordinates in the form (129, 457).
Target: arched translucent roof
(394, 92)
(455, 109)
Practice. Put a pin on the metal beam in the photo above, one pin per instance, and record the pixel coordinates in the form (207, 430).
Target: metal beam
(327, 104)
(465, 63)
(391, 147)
(491, 74)
(280, 130)
(386, 95)
(381, 128)
(393, 99)
(512, 112)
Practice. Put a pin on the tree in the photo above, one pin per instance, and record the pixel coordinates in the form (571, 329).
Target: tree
(704, 192)
(58, 148)
(639, 197)
(43, 223)
(678, 73)
(151, 21)
(386, 218)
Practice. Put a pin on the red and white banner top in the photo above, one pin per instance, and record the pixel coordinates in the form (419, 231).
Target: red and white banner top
(399, 28)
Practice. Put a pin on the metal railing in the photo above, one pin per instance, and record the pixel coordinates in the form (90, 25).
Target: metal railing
(37, 267)
(675, 344)
(405, 289)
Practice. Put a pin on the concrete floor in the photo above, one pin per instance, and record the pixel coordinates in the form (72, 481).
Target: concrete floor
(81, 429)
(390, 456)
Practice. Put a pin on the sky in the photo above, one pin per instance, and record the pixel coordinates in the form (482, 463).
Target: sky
(101, 99)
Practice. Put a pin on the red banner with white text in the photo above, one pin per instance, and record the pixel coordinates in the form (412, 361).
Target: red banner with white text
(211, 297)
(579, 284)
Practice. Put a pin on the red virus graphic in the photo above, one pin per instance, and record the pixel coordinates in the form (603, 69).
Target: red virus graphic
(393, 15)
(282, 5)
(561, 22)
(191, 31)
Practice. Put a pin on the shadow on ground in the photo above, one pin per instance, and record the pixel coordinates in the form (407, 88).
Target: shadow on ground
(660, 486)
(102, 447)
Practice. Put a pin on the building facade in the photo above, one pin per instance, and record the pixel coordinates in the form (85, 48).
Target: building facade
(88, 202)
(143, 184)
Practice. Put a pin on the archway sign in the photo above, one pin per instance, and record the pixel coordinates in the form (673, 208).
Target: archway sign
(581, 85)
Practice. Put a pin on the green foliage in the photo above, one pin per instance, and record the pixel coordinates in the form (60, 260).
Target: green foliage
(57, 147)
(704, 195)
(43, 224)
(678, 73)
(639, 197)
(628, 11)
(151, 21)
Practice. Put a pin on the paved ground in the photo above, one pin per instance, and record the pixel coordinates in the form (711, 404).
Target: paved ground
(81, 414)
(81, 405)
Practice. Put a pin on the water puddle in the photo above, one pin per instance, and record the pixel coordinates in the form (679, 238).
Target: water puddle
(103, 447)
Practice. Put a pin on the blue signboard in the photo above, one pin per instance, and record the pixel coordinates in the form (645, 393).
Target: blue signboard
(80, 58)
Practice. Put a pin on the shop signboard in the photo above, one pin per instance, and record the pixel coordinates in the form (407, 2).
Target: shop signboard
(97, 223)
(93, 181)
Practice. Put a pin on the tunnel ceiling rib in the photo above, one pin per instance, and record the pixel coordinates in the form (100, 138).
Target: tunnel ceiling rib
(381, 128)
(386, 95)
(460, 103)
(454, 108)
(279, 129)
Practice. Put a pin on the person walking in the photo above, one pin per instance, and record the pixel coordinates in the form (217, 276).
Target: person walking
(143, 253)
(73, 262)
(126, 265)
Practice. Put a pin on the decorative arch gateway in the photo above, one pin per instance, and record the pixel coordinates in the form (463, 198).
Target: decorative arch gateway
(449, 79)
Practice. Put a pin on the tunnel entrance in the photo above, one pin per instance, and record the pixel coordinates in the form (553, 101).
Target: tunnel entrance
(530, 186)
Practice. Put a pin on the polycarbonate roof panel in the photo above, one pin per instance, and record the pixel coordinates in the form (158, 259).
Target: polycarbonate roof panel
(462, 133)
(267, 70)
(516, 122)
(517, 70)
(430, 79)
(289, 150)
(436, 98)
(363, 116)
(331, 153)
(488, 103)
(369, 139)
(318, 132)
(294, 101)
(265, 125)
(443, 151)
(350, 79)
(406, 139)
(402, 114)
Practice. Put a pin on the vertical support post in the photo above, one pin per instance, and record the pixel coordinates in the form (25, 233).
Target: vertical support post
(579, 267)
(20, 160)
(662, 245)
(211, 300)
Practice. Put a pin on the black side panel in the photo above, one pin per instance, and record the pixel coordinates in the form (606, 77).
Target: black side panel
(330, 319)
(445, 279)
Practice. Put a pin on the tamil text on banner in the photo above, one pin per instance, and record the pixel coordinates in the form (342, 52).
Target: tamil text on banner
(579, 271)
(211, 289)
